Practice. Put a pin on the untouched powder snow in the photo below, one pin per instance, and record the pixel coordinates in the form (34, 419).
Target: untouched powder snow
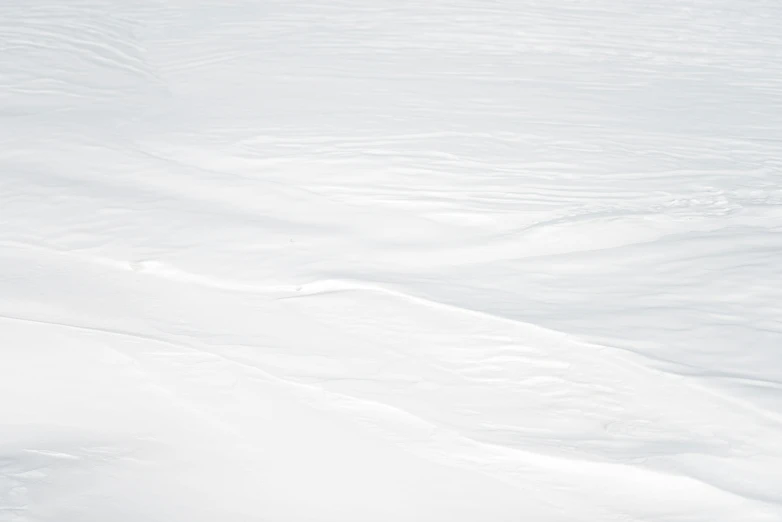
(345, 261)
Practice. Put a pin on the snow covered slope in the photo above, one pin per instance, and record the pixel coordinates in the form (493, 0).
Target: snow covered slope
(352, 261)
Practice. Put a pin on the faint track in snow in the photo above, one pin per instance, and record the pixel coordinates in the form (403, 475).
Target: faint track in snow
(296, 291)
(653, 367)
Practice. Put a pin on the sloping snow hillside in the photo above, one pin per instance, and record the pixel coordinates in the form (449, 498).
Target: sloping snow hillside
(390, 261)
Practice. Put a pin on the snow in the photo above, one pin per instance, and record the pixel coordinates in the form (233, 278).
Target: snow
(390, 261)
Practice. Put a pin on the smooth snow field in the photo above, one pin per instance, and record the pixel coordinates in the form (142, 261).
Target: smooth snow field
(390, 261)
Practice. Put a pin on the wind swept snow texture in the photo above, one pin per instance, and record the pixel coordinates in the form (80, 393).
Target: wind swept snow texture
(390, 261)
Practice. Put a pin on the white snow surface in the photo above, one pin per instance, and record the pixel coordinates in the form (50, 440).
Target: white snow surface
(369, 261)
